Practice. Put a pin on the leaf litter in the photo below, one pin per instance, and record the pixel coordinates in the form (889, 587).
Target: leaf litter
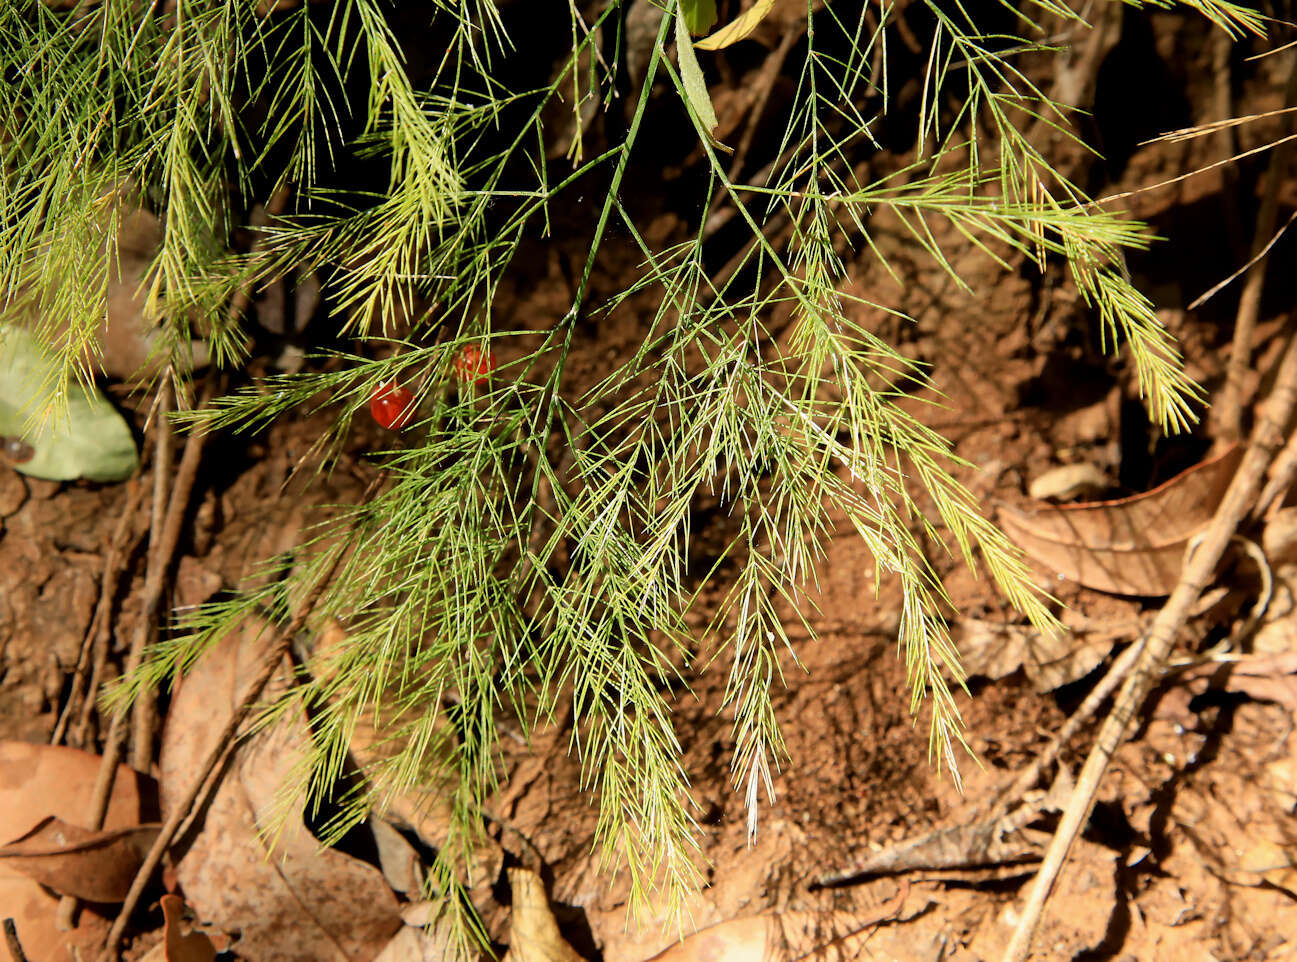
(45, 784)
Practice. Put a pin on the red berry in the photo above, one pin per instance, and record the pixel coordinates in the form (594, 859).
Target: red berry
(473, 364)
(392, 406)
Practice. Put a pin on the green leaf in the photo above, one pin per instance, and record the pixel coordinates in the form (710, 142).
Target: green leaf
(738, 28)
(698, 15)
(84, 437)
(695, 85)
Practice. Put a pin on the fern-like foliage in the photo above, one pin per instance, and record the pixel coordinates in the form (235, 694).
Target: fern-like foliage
(530, 552)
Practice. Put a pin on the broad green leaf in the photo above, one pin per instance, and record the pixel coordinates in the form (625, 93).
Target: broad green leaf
(82, 438)
(699, 15)
(691, 75)
(738, 28)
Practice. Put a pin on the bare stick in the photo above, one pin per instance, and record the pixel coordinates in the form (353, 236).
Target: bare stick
(207, 773)
(1282, 473)
(766, 82)
(160, 555)
(88, 659)
(1029, 776)
(102, 646)
(1197, 573)
(1222, 49)
(145, 709)
(11, 940)
(1229, 409)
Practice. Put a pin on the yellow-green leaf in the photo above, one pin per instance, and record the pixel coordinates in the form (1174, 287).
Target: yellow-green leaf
(87, 438)
(738, 28)
(691, 76)
(699, 15)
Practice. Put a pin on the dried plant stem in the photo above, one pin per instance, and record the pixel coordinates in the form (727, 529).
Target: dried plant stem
(1222, 49)
(1031, 775)
(765, 84)
(86, 675)
(12, 943)
(1282, 473)
(160, 553)
(102, 649)
(144, 712)
(208, 773)
(1197, 573)
(242, 298)
(1229, 409)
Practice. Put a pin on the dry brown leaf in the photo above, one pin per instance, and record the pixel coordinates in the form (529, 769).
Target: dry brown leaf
(253, 867)
(71, 860)
(397, 859)
(37, 781)
(804, 935)
(428, 940)
(533, 931)
(1131, 546)
(1049, 661)
(989, 843)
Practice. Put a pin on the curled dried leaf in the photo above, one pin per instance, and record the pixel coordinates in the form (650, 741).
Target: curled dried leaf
(1130, 546)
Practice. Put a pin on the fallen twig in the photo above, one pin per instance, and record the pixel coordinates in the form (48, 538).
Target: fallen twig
(765, 84)
(1030, 775)
(1282, 473)
(11, 941)
(161, 551)
(88, 668)
(1229, 409)
(144, 711)
(1198, 571)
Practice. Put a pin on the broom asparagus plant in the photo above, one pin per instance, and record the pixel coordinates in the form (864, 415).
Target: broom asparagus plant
(531, 547)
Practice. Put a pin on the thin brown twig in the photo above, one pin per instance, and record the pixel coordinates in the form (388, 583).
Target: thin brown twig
(88, 668)
(242, 298)
(160, 555)
(1229, 409)
(144, 712)
(161, 551)
(769, 76)
(209, 771)
(1031, 775)
(1241, 155)
(1256, 258)
(1198, 571)
(1222, 51)
(1282, 473)
(11, 940)
(102, 649)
